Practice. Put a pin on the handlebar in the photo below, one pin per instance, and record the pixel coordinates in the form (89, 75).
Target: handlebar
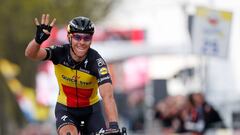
(113, 132)
(122, 131)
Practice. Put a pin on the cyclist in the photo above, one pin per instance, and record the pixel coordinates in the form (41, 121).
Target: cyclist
(80, 72)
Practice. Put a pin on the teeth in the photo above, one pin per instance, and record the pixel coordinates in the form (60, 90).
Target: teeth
(80, 49)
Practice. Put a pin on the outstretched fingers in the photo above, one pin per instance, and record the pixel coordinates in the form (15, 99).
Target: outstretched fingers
(45, 26)
(36, 22)
(53, 22)
(45, 20)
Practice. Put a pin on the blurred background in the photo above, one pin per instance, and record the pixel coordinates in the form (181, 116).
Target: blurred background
(173, 63)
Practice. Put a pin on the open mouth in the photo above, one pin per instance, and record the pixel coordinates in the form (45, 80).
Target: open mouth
(80, 50)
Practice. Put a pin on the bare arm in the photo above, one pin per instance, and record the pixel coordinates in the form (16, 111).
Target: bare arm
(33, 50)
(106, 91)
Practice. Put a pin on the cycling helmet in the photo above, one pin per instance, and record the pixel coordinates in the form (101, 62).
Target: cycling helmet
(81, 24)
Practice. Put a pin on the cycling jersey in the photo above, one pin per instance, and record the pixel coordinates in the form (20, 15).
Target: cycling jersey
(78, 81)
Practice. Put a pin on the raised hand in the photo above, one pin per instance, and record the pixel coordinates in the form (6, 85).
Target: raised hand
(43, 29)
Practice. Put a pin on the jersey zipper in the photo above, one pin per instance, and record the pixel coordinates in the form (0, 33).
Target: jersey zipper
(74, 68)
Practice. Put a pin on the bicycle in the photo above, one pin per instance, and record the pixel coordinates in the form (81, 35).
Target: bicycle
(122, 131)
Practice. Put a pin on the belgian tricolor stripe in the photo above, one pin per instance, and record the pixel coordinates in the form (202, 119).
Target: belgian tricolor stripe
(77, 97)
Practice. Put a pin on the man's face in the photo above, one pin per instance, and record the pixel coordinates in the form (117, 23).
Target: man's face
(81, 43)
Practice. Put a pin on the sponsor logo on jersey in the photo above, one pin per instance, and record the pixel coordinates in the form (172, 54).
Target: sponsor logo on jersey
(64, 117)
(84, 70)
(100, 62)
(103, 78)
(103, 71)
(73, 79)
(76, 79)
(85, 63)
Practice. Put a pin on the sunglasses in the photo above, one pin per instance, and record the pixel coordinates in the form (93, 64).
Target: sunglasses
(79, 37)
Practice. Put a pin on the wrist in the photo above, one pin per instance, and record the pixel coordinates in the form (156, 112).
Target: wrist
(113, 125)
(37, 41)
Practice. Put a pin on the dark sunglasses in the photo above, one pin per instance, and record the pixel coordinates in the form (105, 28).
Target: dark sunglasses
(79, 37)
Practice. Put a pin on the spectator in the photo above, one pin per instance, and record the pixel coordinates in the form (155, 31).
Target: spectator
(192, 114)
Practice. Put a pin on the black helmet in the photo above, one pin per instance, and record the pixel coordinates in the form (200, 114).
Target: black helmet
(81, 24)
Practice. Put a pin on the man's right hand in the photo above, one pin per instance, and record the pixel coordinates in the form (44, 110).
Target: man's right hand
(43, 29)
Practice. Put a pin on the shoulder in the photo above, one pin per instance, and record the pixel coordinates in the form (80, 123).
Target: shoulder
(56, 49)
(99, 67)
(93, 53)
(95, 60)
(57, 52)
(94, 56)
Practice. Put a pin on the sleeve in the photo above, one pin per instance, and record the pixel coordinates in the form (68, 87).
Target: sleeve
(54, 53)
(101, 71)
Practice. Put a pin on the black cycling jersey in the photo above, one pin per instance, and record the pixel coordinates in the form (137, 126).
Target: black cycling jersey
(78, 81)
